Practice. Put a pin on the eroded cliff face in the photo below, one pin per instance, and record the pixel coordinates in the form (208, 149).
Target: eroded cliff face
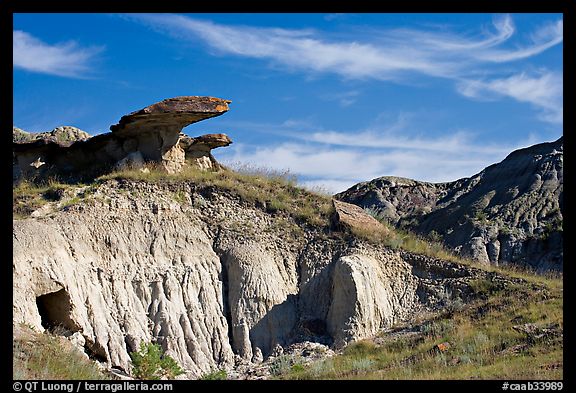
(128, 277)
(213, 279)
(510, 213)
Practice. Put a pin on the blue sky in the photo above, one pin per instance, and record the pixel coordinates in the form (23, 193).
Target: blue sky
(334, 98)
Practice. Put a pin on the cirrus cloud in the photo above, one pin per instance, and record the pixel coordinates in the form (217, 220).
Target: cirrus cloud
(544, 91)
(386, 54)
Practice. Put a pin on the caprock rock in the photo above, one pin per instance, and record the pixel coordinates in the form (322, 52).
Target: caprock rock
(149, 135)
(510, 213)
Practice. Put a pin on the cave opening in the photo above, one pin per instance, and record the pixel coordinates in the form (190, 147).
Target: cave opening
(54, 309)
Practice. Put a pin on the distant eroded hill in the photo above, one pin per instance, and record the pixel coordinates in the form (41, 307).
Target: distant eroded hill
(510, 212)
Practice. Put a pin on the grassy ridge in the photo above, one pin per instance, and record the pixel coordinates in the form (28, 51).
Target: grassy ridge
(271, 190)
(482, 344)
(275, 192)
(396, 238)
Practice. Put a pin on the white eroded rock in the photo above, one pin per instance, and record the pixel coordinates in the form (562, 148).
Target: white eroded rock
(123, 282)
(262, 303)
(364, 299)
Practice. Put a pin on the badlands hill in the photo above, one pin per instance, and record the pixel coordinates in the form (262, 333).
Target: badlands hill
(509, 213)
(244, 272)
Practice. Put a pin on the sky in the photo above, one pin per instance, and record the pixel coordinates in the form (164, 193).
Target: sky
(335, 99)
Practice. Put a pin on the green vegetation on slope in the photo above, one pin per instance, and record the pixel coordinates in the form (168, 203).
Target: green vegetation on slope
(432, 246)
(267, 189)
(28, 196)
(46, 356)
(272, 191)
(486, 340)
(216, 375)
(150, 363)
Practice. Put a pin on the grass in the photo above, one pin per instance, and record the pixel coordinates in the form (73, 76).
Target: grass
(275, 192)
(217, 375)
(401, 239)
(47, 358)
(483, 344)
(431, 246)
(28, 196)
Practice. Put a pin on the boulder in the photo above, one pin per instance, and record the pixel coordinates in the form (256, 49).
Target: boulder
(364, 297)
(347, 215)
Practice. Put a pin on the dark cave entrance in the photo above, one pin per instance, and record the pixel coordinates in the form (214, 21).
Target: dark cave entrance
(54, 309)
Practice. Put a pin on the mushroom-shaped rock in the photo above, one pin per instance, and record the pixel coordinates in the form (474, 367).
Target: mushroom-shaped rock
(198, 149)
(212, 141)
(207, 142)
(152, 134)
(172, 113)
(157, 127)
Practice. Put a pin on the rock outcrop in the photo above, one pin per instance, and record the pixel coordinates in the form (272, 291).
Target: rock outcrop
(262, 303)
(510, 213)
(363, 295)
(211, 278)
(152, 134)
(198, 149)
(62, 134)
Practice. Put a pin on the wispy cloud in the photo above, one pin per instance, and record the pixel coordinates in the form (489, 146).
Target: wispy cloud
(344, 99)
(543, 91)
(544, 38)
(398, 133)
(336, 167)
(459, 141)
(66, 59)
(336, 160)
(384, 57)
(383, 54)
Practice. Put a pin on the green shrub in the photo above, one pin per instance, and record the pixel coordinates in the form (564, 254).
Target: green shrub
(281, 365)
(361, 348)
(362, 364)
(150, 363)
(435, 236)
(322, 368)
(484, 286)
(437, 329)
(481, 217)
(215, 375)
